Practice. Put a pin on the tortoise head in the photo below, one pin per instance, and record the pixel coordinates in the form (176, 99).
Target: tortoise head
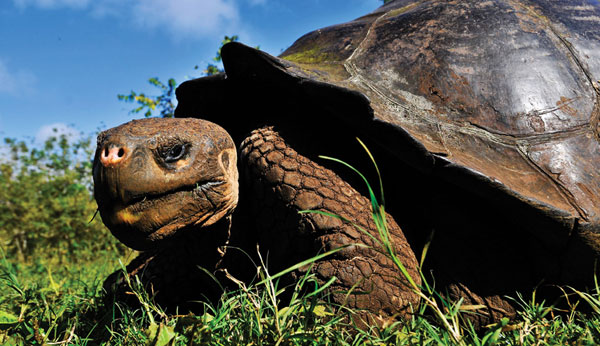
(155, 177)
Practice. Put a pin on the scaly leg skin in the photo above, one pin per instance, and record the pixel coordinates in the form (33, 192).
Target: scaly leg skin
(280, 182)
(492, 308)
(171, 275)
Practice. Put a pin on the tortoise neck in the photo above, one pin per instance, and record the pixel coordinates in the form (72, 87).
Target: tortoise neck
(205, 246)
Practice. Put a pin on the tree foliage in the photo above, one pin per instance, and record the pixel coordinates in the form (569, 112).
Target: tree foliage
(164, 102)
(149, 104)
(212, 69)
(46, 201)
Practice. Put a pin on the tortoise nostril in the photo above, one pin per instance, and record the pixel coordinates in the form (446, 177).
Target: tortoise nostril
(112, 154)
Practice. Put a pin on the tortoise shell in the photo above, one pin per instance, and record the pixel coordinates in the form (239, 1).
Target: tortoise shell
(500, 98)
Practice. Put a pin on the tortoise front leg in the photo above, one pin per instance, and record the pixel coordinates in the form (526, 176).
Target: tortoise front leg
(280, 182)
(175, 275)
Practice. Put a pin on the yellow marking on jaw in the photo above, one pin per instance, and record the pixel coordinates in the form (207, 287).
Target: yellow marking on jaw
(125, 216)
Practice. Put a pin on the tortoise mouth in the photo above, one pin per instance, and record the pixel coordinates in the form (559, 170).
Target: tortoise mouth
(151, 217)
(141, 202)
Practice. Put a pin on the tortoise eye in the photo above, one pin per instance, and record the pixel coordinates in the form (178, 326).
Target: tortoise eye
(174, 153)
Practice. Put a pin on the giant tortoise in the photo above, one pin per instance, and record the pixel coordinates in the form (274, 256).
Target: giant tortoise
(483, 118)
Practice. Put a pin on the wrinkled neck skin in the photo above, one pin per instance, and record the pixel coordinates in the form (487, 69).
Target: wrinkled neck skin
(204, 246)
(216, 247)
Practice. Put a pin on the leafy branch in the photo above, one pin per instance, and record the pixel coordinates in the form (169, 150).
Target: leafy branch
(164, 102)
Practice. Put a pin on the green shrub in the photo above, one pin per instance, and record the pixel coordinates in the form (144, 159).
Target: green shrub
(46, 202)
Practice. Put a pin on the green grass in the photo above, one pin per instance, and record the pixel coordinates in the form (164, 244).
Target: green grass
(45, 305)
(46, 301)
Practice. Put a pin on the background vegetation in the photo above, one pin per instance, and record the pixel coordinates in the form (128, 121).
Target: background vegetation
(46, 203)
(53, 257)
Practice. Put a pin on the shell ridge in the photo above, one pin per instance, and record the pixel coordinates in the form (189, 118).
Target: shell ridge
(349, 64)
(562, 189)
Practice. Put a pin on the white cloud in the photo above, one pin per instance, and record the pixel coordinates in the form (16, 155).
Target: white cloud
(47, 4)
(187, 17)
(55, 130)
(183, 18)
(112, 8)
(13, 82)
(257, 2)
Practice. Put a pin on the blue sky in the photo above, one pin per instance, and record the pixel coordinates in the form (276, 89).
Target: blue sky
(63, 62)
